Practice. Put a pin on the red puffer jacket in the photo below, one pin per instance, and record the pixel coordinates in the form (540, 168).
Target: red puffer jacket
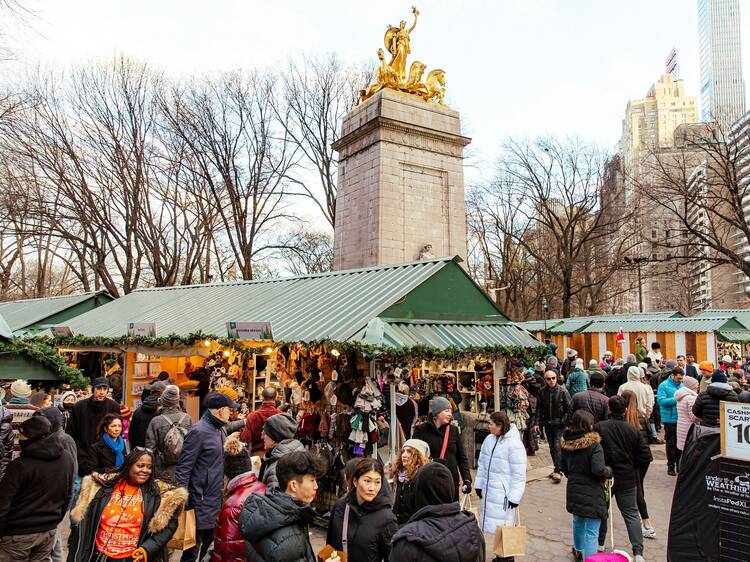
(229, 546)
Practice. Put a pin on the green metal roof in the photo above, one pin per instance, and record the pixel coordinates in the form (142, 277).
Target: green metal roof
(735, 336)
(21, 314)
(5, 331)
(332, 305)
(576, 323)
(742, 315)
(695, 324)
(538, 325)
(440, 334)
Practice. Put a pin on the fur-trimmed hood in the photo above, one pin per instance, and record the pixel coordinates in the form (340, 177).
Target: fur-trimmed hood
(577, 442)
(173, 499)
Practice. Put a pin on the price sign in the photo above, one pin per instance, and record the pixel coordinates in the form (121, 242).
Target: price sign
(735, 430)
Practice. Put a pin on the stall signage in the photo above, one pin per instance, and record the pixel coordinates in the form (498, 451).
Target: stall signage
(145, 329)
(250, 330)
(61, 331)
(735, 430)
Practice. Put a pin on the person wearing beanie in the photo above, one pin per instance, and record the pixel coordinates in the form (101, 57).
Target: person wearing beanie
(20, 392)
(668, 414)
(439, 529)
(577, 380)
(278, 440)
(84, 420)
(66, 405)
(445, 442)
(37, 489)
(705, 369)
(253, 430)
(20, 408)
(707, 405)
(170, 420)
(685, 397)
(229, 544)
(625, 450)
(414, 454)
(142, 417)
(200, 469)
(593, 399)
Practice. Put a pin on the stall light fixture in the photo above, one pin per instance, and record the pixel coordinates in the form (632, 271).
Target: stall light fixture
(335, 352)
(207, 343)
(268, 351)
(226, 353)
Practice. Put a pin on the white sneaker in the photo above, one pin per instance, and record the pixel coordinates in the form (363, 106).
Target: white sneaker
(648, 532)
(639, 558)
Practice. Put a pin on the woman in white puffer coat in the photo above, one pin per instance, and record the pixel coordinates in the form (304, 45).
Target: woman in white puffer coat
(501, 474)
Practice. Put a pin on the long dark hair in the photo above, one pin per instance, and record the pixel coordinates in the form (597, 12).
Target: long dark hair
(111, 477)
(582, 422)
(104, 424)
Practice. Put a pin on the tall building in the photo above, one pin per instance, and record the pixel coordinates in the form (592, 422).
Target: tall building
(650, 122)
(722, 85)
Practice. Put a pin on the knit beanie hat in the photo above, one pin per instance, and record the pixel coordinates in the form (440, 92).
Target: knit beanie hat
(20, 388)
(433, 485)
(157, 388)
(706, 366)
(229, 391)
(690, 383)
(170, 397)
(236, 458)
(35, 428)
(718, 376)
(280, 426)
(439, 403)
(66, 394)
(54, 415)
(419, 445)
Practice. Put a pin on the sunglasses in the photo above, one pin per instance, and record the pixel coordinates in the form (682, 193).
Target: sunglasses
(549, 378)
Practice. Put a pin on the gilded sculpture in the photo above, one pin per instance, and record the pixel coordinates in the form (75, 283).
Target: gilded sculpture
(393, 74)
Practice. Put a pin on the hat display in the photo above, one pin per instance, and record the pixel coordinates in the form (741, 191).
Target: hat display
(20, 388)
(100, 382)
(219, 400)
(419, 445)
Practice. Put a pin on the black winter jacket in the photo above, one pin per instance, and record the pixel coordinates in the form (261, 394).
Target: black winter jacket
(707, 405)
(275, 527)
(141, 418)
(84, 423)
(37, 488)
(403, 500)
(455, 455)
(591, 401)
(553, 406)
(441, 533)
(616, 378)
(625, 451)
(583, 465)
(102, 458)
(7, 438)
(160, 513)
(371, 526)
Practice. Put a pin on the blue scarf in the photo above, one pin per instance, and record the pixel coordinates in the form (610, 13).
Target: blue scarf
(117, 447)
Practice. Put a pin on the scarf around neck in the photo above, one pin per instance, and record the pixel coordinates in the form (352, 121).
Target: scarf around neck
(117, 446)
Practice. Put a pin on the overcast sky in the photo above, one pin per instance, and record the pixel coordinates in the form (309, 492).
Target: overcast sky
(514, 67)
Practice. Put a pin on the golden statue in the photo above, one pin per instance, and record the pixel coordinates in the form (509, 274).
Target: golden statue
(393, 75)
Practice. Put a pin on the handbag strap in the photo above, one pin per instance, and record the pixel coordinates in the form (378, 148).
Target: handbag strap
(466, 502)
(445, 441)
(345, 530)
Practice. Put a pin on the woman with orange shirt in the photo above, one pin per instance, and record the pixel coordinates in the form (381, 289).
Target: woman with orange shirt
(125, 514)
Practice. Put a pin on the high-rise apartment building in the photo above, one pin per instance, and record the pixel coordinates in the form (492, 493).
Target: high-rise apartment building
(650, 122)
(722, 86)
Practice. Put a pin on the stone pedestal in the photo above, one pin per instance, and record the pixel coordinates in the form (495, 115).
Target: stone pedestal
(400, 182)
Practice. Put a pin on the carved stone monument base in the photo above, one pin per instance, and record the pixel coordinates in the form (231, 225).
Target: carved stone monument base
(400, 182)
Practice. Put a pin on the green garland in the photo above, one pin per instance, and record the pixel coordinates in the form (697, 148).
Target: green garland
(44, 353)
(523, 355)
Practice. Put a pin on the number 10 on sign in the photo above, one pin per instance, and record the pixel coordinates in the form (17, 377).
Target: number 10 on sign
(735, 430)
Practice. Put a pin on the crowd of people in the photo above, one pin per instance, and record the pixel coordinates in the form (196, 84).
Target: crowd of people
(125, 477)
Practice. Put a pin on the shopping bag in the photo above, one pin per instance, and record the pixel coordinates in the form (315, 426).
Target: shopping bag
(466, 505)
(184, 536)
(510, 540)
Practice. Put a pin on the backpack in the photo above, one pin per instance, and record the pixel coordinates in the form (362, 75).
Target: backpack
(171, 444)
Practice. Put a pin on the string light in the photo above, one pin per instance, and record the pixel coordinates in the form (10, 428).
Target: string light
(226, 353)
(268, 351)
(207, 343)
(335, 352)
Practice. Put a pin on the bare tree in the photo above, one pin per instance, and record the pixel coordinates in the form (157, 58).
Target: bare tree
(305, 252)
(318, 93)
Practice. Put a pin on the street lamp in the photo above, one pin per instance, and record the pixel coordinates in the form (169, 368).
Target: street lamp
(545, 308)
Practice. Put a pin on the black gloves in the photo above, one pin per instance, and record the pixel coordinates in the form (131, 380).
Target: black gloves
(466, 488)
(479, 492)
(512, 505)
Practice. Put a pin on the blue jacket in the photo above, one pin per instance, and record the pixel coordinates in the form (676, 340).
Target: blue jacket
(666, 400)
(578, 381)
(201, 469)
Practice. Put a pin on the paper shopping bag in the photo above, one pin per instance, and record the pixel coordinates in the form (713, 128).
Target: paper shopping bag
(510, 540)
(184, 536)
(466, 505)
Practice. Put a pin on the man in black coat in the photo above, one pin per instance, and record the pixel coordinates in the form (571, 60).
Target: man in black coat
(593, 399)
(433, 432)
(625, 450)
(439, 530)
(142, 416)
(85, 418)
(37, 490)
(553, 410)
